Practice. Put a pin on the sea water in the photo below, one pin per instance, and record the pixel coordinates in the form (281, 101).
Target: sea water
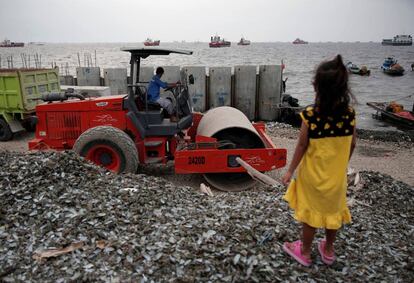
(300, 61)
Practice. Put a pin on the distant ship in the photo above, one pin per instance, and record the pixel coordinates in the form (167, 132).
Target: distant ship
(8, 43)
(216, 41)
(399, 40)
(243, 41)
(36, 43)
(150, 42)
(299, 41)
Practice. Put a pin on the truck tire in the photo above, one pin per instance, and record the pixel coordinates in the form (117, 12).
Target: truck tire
(5, 131)
(108, 147)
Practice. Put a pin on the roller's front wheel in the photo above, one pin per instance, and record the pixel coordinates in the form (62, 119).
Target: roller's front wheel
(108, 147)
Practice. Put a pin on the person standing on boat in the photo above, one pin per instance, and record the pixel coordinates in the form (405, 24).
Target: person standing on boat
(154, 93)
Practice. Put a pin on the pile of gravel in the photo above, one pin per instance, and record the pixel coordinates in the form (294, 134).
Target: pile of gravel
(142, 228)
(403, 138)
(282, 130)
(398, 138)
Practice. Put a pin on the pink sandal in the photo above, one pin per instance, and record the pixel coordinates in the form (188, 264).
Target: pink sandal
(329, 260)
(296, 252)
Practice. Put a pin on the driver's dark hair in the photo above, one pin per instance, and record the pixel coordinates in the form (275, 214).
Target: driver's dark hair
(331, 86)
(159, 71)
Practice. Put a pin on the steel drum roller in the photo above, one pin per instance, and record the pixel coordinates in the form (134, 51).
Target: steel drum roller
(230, 124)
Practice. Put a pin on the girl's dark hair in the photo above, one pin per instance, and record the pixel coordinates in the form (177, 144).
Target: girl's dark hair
(331, 86)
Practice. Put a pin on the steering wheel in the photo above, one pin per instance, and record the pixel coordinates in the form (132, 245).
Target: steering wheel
(173, 88)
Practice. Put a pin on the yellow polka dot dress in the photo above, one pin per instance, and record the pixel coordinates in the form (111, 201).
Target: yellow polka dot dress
(318, 194)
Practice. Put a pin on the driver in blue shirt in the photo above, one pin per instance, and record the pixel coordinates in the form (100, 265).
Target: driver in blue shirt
(154, 93)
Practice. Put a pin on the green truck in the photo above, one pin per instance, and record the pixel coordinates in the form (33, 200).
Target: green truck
(20, 92)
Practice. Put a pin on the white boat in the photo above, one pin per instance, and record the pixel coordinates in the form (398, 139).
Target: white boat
(399, 40)
(243, 41)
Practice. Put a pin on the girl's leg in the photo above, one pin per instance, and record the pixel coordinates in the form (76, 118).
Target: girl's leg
(330, 239)
(308, 234)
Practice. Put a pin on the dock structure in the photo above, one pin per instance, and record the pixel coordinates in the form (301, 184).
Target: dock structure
(255, 90)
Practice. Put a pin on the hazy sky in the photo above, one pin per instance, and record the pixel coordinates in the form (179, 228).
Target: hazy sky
(197, 20)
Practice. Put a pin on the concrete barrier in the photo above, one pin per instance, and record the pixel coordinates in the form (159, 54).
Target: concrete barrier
(197, 91)
(89, 91)
(116, 79)
(67, 80)
(270, 78)
(171, 75)
(257, 96)
(220, 87)
(245, 90)
(88, 76)
(145, 74)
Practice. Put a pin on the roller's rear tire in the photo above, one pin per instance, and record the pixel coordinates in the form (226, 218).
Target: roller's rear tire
(108, 147)
(5, 132)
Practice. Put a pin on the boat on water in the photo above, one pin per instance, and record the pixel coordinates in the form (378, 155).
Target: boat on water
(391, 67)
(216, 41)
(399, 40)
(354, 69)
(8, 43)
(243, 41)
(150, 42)
(394, 113)
(299, 41)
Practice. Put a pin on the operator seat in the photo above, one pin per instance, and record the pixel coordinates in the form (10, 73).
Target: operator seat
(141, 98)
(152, 122)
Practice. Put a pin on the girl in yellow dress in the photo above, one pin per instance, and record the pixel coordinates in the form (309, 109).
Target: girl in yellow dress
(326, 142)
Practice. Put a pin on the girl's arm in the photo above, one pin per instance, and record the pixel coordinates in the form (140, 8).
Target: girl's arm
(299, 152)
(353, 143)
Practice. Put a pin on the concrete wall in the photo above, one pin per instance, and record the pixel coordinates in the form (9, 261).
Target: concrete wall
(220, 87)
(89, 91)
(197, 91)
(245, 90)
(269, 92)
(88, 76)
(67, 80)
(171, 75)
(216, 90)
(146, 73)
(116, 79)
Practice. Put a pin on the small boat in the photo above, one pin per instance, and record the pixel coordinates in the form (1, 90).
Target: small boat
(354, 69)
(299, 41)
(216, 41)
(394, 113)
(243, 41)
(150, 42)
(8, 43)
(399, 40)
(391, 67)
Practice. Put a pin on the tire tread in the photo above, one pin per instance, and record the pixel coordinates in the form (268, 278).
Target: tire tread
(114, 135)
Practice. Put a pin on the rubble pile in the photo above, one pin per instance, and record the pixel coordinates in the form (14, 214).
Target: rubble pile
(63, 219)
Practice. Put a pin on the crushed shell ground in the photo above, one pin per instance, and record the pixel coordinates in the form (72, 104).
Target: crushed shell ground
(144, 228)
